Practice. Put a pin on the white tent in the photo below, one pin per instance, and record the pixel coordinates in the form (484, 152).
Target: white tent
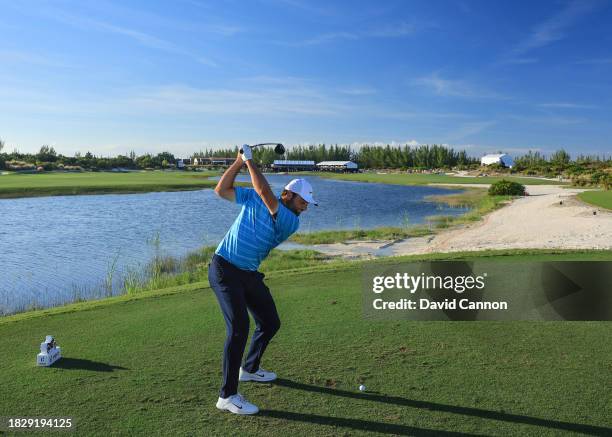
(338, 164)
(498, 158)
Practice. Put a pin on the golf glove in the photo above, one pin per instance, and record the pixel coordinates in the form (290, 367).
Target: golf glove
(247, 153)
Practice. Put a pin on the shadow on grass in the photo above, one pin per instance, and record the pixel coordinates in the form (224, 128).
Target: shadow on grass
(426, 405)
(78, 363)
(358, 424)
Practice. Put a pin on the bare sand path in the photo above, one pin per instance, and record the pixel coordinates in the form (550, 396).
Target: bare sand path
(551, 217)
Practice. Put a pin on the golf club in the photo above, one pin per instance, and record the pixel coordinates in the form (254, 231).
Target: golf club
(279, 149)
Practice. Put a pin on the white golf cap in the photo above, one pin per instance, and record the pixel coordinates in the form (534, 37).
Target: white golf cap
(303, 188)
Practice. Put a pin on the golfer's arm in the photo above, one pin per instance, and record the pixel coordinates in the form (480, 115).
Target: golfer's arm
(262, 188)
(225, 186)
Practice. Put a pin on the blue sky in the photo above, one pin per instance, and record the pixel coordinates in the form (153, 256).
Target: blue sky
(110, 77)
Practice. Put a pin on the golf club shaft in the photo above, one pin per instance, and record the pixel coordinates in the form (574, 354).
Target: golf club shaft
(263, 144)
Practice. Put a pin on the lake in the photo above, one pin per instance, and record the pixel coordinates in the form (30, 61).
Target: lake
(54, 250)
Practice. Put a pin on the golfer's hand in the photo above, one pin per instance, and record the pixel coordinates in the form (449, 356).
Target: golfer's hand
(247, 153)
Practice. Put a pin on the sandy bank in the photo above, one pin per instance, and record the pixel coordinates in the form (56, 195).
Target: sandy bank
(551, 217)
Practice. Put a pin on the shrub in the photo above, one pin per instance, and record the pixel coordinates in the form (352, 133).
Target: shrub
(579, 181)
(605, 181)
(73, 168)
(493, 167)
(46, 166)
(602, 179)
(598, 179)
(19, 165)
(506, 188)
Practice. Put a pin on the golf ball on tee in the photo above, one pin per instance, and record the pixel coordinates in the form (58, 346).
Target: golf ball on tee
(362, 387)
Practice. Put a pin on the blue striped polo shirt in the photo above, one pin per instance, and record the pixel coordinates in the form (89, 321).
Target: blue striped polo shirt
(255, 232)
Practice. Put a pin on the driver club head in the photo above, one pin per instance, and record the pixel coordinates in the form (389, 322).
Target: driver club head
(279, 149)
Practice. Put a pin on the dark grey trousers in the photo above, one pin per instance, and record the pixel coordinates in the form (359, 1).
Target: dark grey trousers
(237, 291)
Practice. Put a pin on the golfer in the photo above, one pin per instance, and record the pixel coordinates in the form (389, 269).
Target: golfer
(264, 222)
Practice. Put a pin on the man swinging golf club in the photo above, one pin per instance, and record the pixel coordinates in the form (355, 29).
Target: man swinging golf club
(264, 222)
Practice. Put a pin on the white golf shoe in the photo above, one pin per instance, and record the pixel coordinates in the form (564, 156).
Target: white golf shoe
(237, 404)
(260, 375)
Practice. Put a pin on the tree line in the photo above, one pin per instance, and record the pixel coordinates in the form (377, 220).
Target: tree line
(367, 157)
(424, 156)
(49, 159)
(584, 170)
(421, 157)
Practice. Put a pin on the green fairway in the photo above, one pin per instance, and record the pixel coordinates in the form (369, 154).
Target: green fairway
(423, 179)
(54, 184)
(598, 198)
(151, 364)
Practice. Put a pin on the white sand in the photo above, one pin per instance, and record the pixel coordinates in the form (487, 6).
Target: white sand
(537, 221)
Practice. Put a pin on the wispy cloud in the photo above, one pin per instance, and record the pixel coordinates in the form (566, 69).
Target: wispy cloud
(16, 56)
(565, 105)
(551, 30)
(398, 30)
(597, 61)
(358, 91)
(309, 7)
(225, 30)
(153, 42)
(142, 38)
(288, 81)
(454, 87)
(393, 31)
(198, 4)
(274, 101)
(325, 38)
(548, 120)
(420, 114)
(120, 11)
(468, 129)
(521, 61)
(29, 99)
(178, 100)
